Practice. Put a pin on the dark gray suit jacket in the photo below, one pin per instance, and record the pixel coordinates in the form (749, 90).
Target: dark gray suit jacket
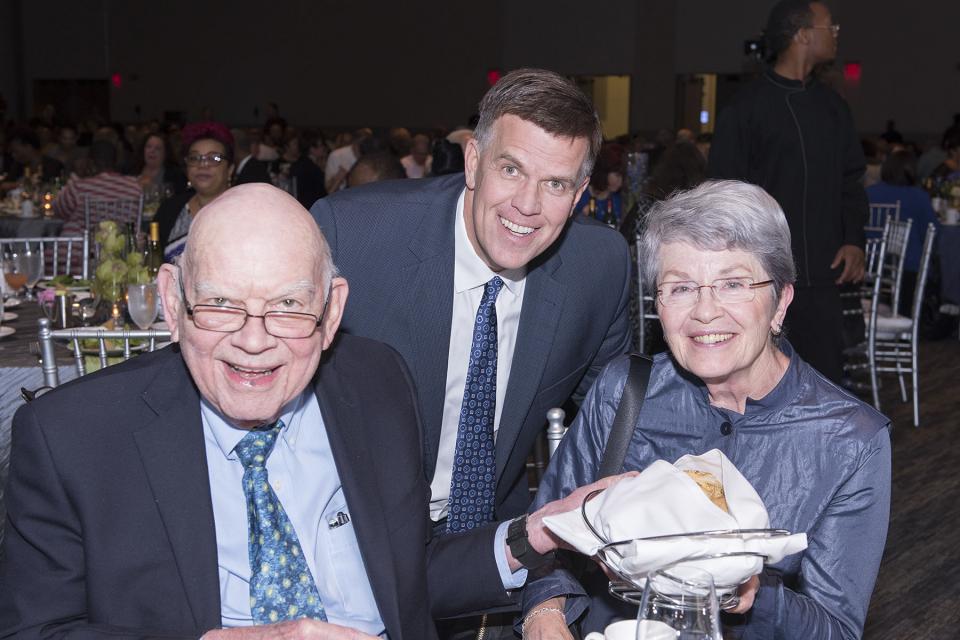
(394, 242)
(110, 521)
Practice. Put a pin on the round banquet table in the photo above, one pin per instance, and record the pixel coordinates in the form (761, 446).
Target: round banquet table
(949, 246)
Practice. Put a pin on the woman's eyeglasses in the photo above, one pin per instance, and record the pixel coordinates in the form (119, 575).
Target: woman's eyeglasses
(202, 160)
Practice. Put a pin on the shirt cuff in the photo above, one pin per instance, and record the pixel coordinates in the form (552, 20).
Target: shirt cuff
(510, 579)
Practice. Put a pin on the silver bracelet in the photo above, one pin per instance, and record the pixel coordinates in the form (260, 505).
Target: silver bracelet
(538, 612)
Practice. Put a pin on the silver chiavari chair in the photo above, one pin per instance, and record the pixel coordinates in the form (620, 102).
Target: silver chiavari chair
(150, 338)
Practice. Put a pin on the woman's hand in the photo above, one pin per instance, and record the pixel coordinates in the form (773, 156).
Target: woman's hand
(547, 622)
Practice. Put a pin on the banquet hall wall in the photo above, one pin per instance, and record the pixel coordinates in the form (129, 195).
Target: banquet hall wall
(425, 62)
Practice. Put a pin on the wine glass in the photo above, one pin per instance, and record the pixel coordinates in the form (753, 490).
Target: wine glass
(16, 279)
(679, 602)
(30, 261)
(143, 303)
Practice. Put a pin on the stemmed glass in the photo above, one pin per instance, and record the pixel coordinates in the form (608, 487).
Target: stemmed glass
(29, 261)
(16, 279)
(679, 602)
(143, 303)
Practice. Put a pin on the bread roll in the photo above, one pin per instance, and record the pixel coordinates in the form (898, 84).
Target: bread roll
(709, 484)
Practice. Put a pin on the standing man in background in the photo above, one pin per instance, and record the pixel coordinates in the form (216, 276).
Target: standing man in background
(794, 136)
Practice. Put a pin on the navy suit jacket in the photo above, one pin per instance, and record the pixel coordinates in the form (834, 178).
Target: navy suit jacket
(110, 522)
(394, 242)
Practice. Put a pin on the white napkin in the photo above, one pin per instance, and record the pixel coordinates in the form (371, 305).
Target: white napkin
(663, 500)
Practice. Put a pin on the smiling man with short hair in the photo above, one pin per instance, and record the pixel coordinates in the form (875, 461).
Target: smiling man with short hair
(501, 304)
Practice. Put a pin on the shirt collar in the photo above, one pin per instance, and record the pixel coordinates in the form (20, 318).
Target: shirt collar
(470, 271)
(779, 396)
(228, 436)
(784, 390)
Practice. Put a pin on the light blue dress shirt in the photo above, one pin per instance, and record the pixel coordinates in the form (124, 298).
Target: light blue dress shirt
(304, 477)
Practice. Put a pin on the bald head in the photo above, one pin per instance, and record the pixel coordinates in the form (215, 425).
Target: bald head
(260, 222)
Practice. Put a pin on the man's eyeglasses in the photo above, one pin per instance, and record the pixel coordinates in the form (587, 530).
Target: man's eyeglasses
(280, 324)
(834, 28)
(200, 160)
(728, 290)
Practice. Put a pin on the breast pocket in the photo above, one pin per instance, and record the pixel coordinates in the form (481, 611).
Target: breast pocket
(339, 567)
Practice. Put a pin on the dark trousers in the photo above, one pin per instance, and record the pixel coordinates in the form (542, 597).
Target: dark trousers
(814, 327)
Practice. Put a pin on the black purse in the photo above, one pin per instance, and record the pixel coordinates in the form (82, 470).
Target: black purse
(614, 453)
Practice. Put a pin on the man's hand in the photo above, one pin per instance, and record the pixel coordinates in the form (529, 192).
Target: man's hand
(541, 538)
(853, 261)
(747, 593)
(543, 623)
(303, 629)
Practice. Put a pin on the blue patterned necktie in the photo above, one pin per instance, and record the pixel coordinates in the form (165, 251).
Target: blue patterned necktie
(472, 485)
(281, 587)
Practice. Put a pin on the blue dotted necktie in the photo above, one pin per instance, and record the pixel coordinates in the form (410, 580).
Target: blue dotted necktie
(472, 486)
(281, 587)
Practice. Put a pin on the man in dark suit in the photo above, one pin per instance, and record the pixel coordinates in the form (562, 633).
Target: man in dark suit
(425, 256)
(248, 168)
(235, 479)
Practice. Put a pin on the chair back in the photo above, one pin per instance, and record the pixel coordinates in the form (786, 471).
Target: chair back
(879, 212)
(121, 211)
(919, 290)
(646, 300)
(147, 339)
(64, 255)
(892, 264)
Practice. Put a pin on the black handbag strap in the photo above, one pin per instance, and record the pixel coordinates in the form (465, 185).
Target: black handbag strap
(628, 410)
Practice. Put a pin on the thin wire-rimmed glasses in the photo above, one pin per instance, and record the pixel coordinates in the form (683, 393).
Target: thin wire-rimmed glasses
(223, 319)
(834, 28)
(685, 293)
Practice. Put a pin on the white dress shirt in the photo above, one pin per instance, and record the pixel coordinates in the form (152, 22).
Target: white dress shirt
(469, 277)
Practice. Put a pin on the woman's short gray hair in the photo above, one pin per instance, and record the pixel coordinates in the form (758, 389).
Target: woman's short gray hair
(721, 215)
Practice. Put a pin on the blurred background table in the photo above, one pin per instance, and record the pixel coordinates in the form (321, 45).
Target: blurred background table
(950, 263)
(19, 367)
(17, 227)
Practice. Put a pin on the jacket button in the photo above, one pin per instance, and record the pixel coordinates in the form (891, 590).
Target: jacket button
(726, 428)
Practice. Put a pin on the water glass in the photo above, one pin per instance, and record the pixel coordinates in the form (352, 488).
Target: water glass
(143, 303)
(30, 262)
(679, 602)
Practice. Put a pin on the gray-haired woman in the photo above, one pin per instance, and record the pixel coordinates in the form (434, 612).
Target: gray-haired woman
(719, 258)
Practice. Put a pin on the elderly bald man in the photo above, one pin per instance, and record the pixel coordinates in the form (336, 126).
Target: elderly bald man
(248, 475)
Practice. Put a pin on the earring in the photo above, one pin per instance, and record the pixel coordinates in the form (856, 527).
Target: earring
(776, 331)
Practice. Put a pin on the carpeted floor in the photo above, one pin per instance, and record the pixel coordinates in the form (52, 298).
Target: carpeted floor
(917, 596)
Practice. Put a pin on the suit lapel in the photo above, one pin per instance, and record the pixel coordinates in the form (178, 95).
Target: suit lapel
(173, 455)
(429, 276)
(346, 430)
(542, 305)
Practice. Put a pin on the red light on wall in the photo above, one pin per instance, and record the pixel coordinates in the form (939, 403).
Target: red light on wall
(852, 71)
(492, 76)
(116, 80)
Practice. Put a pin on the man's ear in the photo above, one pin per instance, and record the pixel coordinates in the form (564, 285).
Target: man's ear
(169, 289)
(471, 161)
(335, 304)
(579, 194)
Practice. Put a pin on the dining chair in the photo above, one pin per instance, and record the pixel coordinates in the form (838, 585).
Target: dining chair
(894, 341)
(860, 357)
(879, 212)
(645, 310)
(891, 274)
(64, 255)
(150, 339)
(122, 211)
